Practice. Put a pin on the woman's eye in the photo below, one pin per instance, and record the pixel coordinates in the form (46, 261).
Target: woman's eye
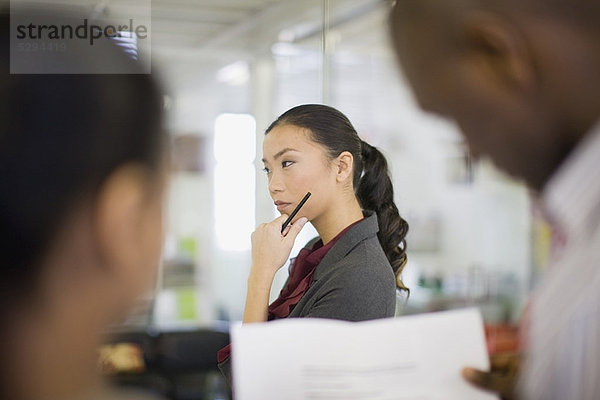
(267, 170)
(286, 164)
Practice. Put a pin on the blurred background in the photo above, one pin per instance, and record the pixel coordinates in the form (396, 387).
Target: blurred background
(229, 68)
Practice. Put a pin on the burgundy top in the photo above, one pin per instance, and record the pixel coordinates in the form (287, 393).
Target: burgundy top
(301, 272)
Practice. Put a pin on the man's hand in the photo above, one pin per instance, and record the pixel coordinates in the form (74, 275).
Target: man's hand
(502, 377)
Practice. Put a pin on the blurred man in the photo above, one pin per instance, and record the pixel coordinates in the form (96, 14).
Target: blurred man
(521, 78)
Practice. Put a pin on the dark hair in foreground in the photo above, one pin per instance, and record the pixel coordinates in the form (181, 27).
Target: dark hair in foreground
(371, 181)
(61, 136)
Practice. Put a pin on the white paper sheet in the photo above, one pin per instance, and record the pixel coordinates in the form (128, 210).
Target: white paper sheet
(416, 357)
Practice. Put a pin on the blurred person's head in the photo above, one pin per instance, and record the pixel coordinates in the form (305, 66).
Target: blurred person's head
(81, 185)
(519, 77)
(314, 148)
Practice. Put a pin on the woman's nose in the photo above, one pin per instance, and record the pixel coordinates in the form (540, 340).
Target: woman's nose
(275, 183)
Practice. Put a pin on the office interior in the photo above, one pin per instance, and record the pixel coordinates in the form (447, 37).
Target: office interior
(229, 68)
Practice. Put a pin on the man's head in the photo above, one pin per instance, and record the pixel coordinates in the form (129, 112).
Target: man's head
(520, 77)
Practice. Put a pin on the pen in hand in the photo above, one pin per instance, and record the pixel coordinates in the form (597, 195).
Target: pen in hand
(293, 214)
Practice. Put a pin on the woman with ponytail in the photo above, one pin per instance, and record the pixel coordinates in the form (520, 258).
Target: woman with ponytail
(353, 269)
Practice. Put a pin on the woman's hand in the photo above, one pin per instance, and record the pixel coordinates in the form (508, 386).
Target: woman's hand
(501, 378)
(270, 250)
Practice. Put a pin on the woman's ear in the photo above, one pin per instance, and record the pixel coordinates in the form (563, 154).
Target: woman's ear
(344, 166)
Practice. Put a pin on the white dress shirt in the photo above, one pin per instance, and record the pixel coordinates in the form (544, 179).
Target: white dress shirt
(563, 360)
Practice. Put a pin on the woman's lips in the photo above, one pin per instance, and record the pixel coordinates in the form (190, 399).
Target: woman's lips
(282, 205)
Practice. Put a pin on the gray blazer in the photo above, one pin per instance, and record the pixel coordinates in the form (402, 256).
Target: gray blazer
(353, 282)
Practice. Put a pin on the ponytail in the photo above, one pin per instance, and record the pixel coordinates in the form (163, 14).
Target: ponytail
(375, 192)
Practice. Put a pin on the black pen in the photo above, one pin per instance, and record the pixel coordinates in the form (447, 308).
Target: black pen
(293, 214)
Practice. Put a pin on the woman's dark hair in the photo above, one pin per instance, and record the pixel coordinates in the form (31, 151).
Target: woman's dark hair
(371, 181)
(61, 136)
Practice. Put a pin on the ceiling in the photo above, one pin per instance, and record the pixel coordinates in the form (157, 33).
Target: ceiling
(192, 40)
(226, 30)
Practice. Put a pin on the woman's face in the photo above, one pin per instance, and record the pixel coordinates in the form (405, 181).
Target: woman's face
(295, 165)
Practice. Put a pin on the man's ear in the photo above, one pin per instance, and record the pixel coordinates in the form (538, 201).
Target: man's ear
(344, 166)
(500, 50)
(119, 215)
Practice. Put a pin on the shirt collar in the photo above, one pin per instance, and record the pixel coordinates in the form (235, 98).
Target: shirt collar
(571, 194)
